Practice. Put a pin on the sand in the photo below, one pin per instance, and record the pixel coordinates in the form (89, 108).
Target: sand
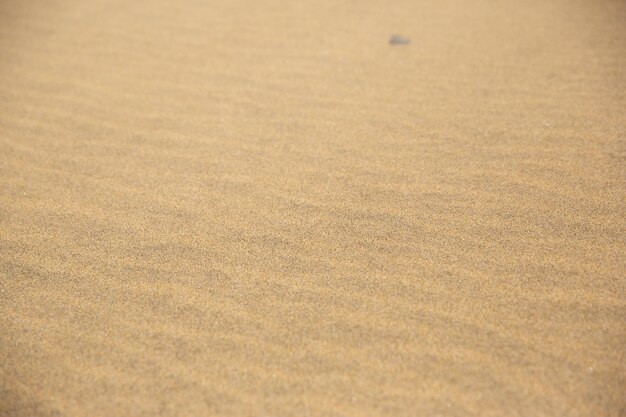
(264, 208)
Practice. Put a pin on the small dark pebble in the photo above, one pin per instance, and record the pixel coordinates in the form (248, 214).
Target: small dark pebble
(399, 40)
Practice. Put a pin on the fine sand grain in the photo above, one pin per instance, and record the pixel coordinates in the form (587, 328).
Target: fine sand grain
(264, 208)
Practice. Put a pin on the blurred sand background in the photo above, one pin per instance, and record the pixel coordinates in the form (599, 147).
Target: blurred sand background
(261, 208)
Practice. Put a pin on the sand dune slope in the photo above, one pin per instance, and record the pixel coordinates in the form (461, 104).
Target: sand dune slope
(250, 208)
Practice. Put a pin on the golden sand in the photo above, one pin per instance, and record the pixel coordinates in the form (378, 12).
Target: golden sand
(262, 208)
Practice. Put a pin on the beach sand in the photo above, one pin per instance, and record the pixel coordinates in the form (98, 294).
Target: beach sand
(264, 208)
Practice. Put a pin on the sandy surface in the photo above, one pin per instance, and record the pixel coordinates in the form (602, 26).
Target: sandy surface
(261, 208)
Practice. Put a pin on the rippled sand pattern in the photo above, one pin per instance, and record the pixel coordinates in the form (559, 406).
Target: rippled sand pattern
(262, 208)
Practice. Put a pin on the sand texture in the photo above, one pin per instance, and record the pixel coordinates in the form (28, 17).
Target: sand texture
(270, 208)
